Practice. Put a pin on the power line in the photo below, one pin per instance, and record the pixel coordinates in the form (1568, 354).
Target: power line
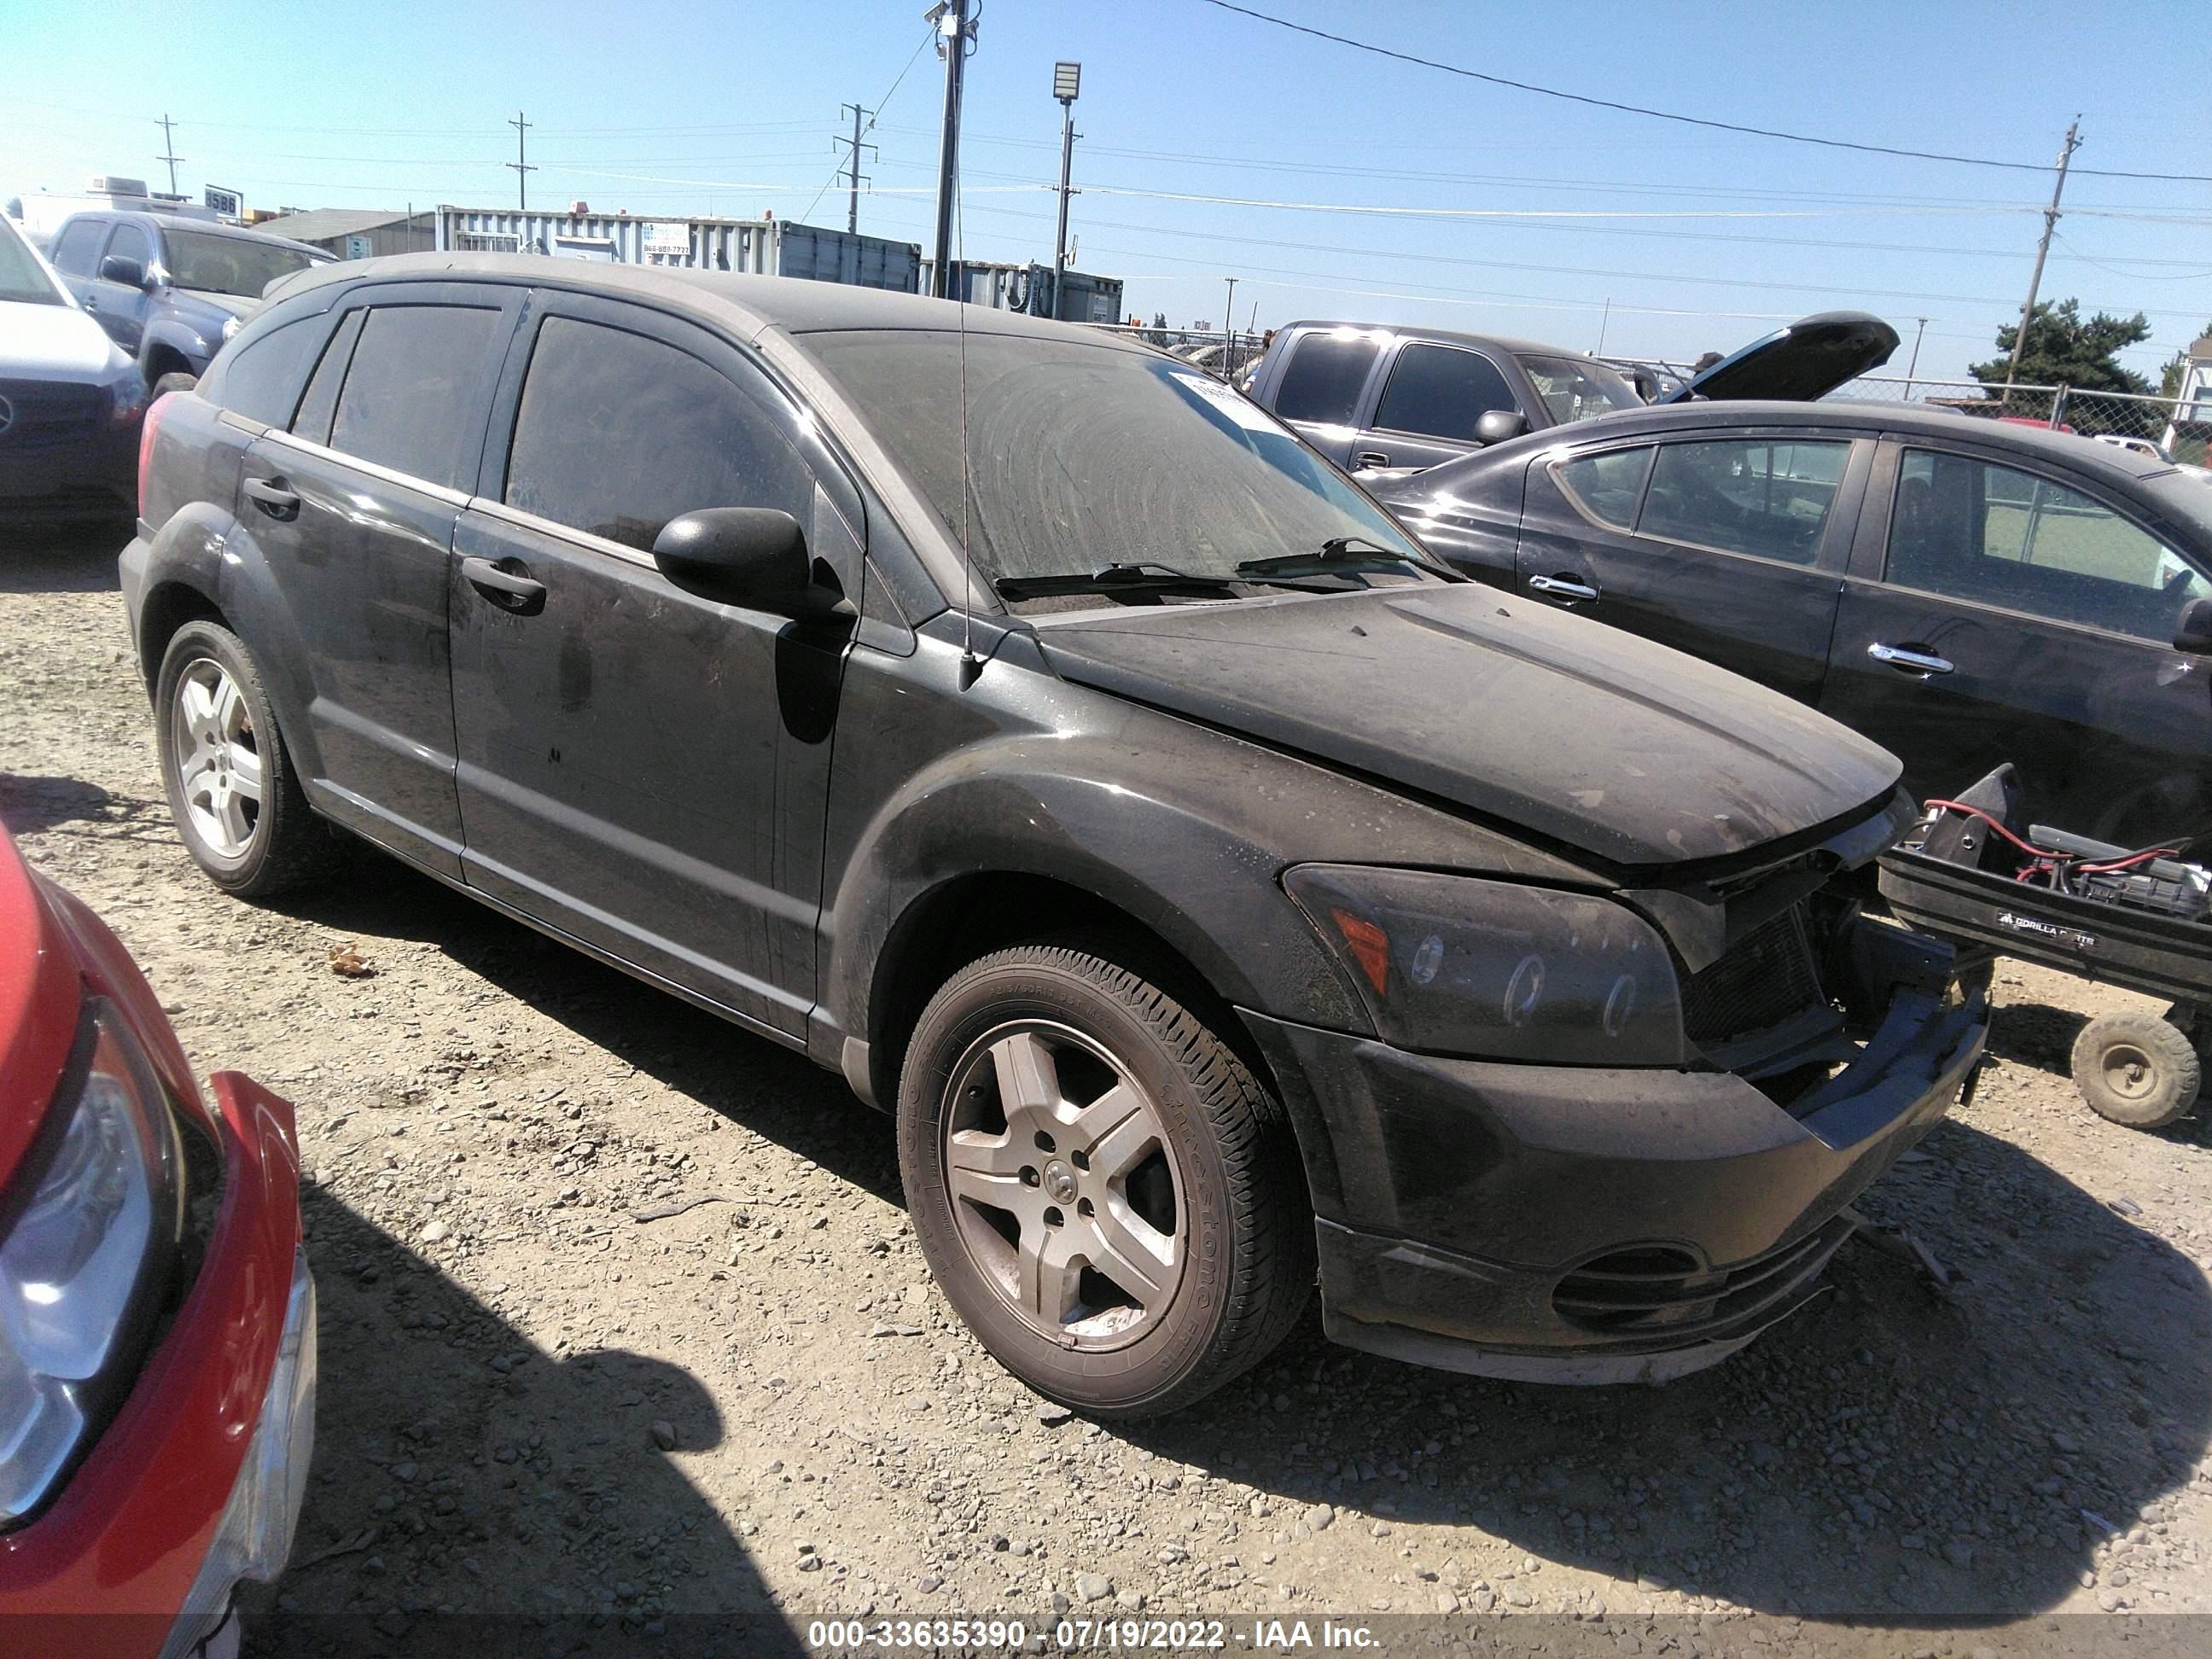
(1688, 120)
(860, 133)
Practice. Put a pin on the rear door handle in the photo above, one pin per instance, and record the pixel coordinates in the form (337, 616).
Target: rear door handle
(1563, 588)
(1371, 458)
(273, 497)
(1907, 661)
(510, 589)
(90, 302)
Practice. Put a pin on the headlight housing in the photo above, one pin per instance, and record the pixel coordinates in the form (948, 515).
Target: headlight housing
(1460, 965)
(88, 1240)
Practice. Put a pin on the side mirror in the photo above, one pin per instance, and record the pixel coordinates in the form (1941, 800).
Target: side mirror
(120, 268)
(751, 556)
(1495, 426)
(2192, 635)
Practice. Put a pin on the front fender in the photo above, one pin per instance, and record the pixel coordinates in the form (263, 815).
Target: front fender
(171, 333)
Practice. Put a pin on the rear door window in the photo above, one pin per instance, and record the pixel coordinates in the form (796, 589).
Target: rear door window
(617, 433)
(1770, 500)
(1322, 381)
(1440, 392)
(1608, 486)
(1974, 530)
(320, 402)
(413, 397)
(78, 245)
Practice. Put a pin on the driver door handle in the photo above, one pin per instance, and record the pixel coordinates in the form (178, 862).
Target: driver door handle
(511, 590)
(1907, 661)
(1368, 457)
(1563, 588)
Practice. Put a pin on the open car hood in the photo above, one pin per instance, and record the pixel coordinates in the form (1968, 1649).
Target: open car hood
(1572, 733)
(1807, 360)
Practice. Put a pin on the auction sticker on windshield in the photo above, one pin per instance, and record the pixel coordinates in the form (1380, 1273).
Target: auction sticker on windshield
(1234, 405)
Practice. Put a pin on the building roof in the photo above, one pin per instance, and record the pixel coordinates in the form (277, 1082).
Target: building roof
(321, 224)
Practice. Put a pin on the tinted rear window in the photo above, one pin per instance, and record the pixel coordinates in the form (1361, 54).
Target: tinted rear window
(1441, 391)
(1323, 380)
(261, 375)
(413, 397)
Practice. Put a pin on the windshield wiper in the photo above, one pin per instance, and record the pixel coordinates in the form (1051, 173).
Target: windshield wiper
(1340, 554)
(1141, 577)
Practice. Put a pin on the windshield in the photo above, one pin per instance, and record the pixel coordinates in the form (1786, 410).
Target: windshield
(22, 278)
(1083, 455)
(1577, 389)
(228, 265)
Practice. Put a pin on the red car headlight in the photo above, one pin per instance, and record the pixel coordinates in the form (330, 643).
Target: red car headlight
(88, 1243)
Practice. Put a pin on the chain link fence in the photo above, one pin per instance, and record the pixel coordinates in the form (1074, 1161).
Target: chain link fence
(2164, 423)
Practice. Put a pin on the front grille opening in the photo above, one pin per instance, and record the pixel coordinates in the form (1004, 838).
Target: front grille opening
(1763, 979)
(1662, 1288)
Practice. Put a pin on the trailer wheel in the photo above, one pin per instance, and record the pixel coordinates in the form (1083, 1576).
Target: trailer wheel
(2137, 1069)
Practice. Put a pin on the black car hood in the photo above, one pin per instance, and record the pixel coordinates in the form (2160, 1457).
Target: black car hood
(1572, 732)
(1807, 360)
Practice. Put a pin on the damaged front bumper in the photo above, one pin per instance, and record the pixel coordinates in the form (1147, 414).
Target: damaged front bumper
(1584, 1224)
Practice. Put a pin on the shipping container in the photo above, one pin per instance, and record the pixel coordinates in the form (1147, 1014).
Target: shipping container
(1085, 298)
(770, 247)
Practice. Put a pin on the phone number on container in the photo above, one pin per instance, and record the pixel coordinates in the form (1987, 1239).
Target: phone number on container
(1068, 1636)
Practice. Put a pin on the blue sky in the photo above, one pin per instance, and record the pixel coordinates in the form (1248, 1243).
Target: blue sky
(1698, 239)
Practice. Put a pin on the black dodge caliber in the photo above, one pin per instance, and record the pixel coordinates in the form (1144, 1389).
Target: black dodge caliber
(1021, 724)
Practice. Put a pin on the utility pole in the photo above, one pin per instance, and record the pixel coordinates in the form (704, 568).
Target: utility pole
(852, 168)
(1604, 321)
(1067, 83)
(169, 142)
(1229, 333)
(2042, 249)
(1915, 363)
(521, 162)
(956, 32)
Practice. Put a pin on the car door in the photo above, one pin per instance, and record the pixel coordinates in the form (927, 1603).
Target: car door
(1429, 404)
(351, 510)
(1728, 546)
(643, 769)
(121, 307)
(2008, 610)
(1319, 390)
(75, 253)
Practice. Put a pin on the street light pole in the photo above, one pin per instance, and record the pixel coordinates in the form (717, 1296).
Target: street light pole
(1915, 363)
(1067, 84)
(954, 31)
(1229, 333)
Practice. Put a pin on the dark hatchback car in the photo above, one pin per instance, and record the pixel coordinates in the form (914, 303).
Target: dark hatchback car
(169, 291)
(1144, 860)
(1963, 591)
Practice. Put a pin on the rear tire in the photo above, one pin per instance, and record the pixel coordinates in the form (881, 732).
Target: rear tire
(233, 794)
(176, 380)
(2137, 1069)
(1102, 1189)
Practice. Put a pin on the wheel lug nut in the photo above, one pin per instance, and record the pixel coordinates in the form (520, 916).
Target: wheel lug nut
(1053, 1217)
(1045, 1142)
(1029, 1175)
(1079, 1160)
(1083, 1207)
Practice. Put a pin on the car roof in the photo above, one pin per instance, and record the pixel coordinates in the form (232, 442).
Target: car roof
(1441, 335)
(1935, 421)
(791, 304)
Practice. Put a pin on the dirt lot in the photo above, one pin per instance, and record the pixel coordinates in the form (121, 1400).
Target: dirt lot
(538, 1398)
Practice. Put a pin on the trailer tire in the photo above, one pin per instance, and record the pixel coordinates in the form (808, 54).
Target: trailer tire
(2137, 1069)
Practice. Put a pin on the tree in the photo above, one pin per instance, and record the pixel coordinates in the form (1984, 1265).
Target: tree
(2064, 350)
(2171, 371)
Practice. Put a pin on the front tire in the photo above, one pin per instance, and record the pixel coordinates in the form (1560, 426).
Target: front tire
(2137, 1069)
(1104, 1192)
(233, 792)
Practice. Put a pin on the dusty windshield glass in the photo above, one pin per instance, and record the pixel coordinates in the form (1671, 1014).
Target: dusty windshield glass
(1083, 455)
(21, 279)
(228, 265)
(1577, 389)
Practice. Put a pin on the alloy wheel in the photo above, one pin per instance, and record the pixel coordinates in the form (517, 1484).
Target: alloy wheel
(218, 758)
(1064, 1185)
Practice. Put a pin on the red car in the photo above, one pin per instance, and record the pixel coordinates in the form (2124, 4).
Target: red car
(157, 1318)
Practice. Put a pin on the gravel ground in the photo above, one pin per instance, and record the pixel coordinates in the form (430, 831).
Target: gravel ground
(549, 1388)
